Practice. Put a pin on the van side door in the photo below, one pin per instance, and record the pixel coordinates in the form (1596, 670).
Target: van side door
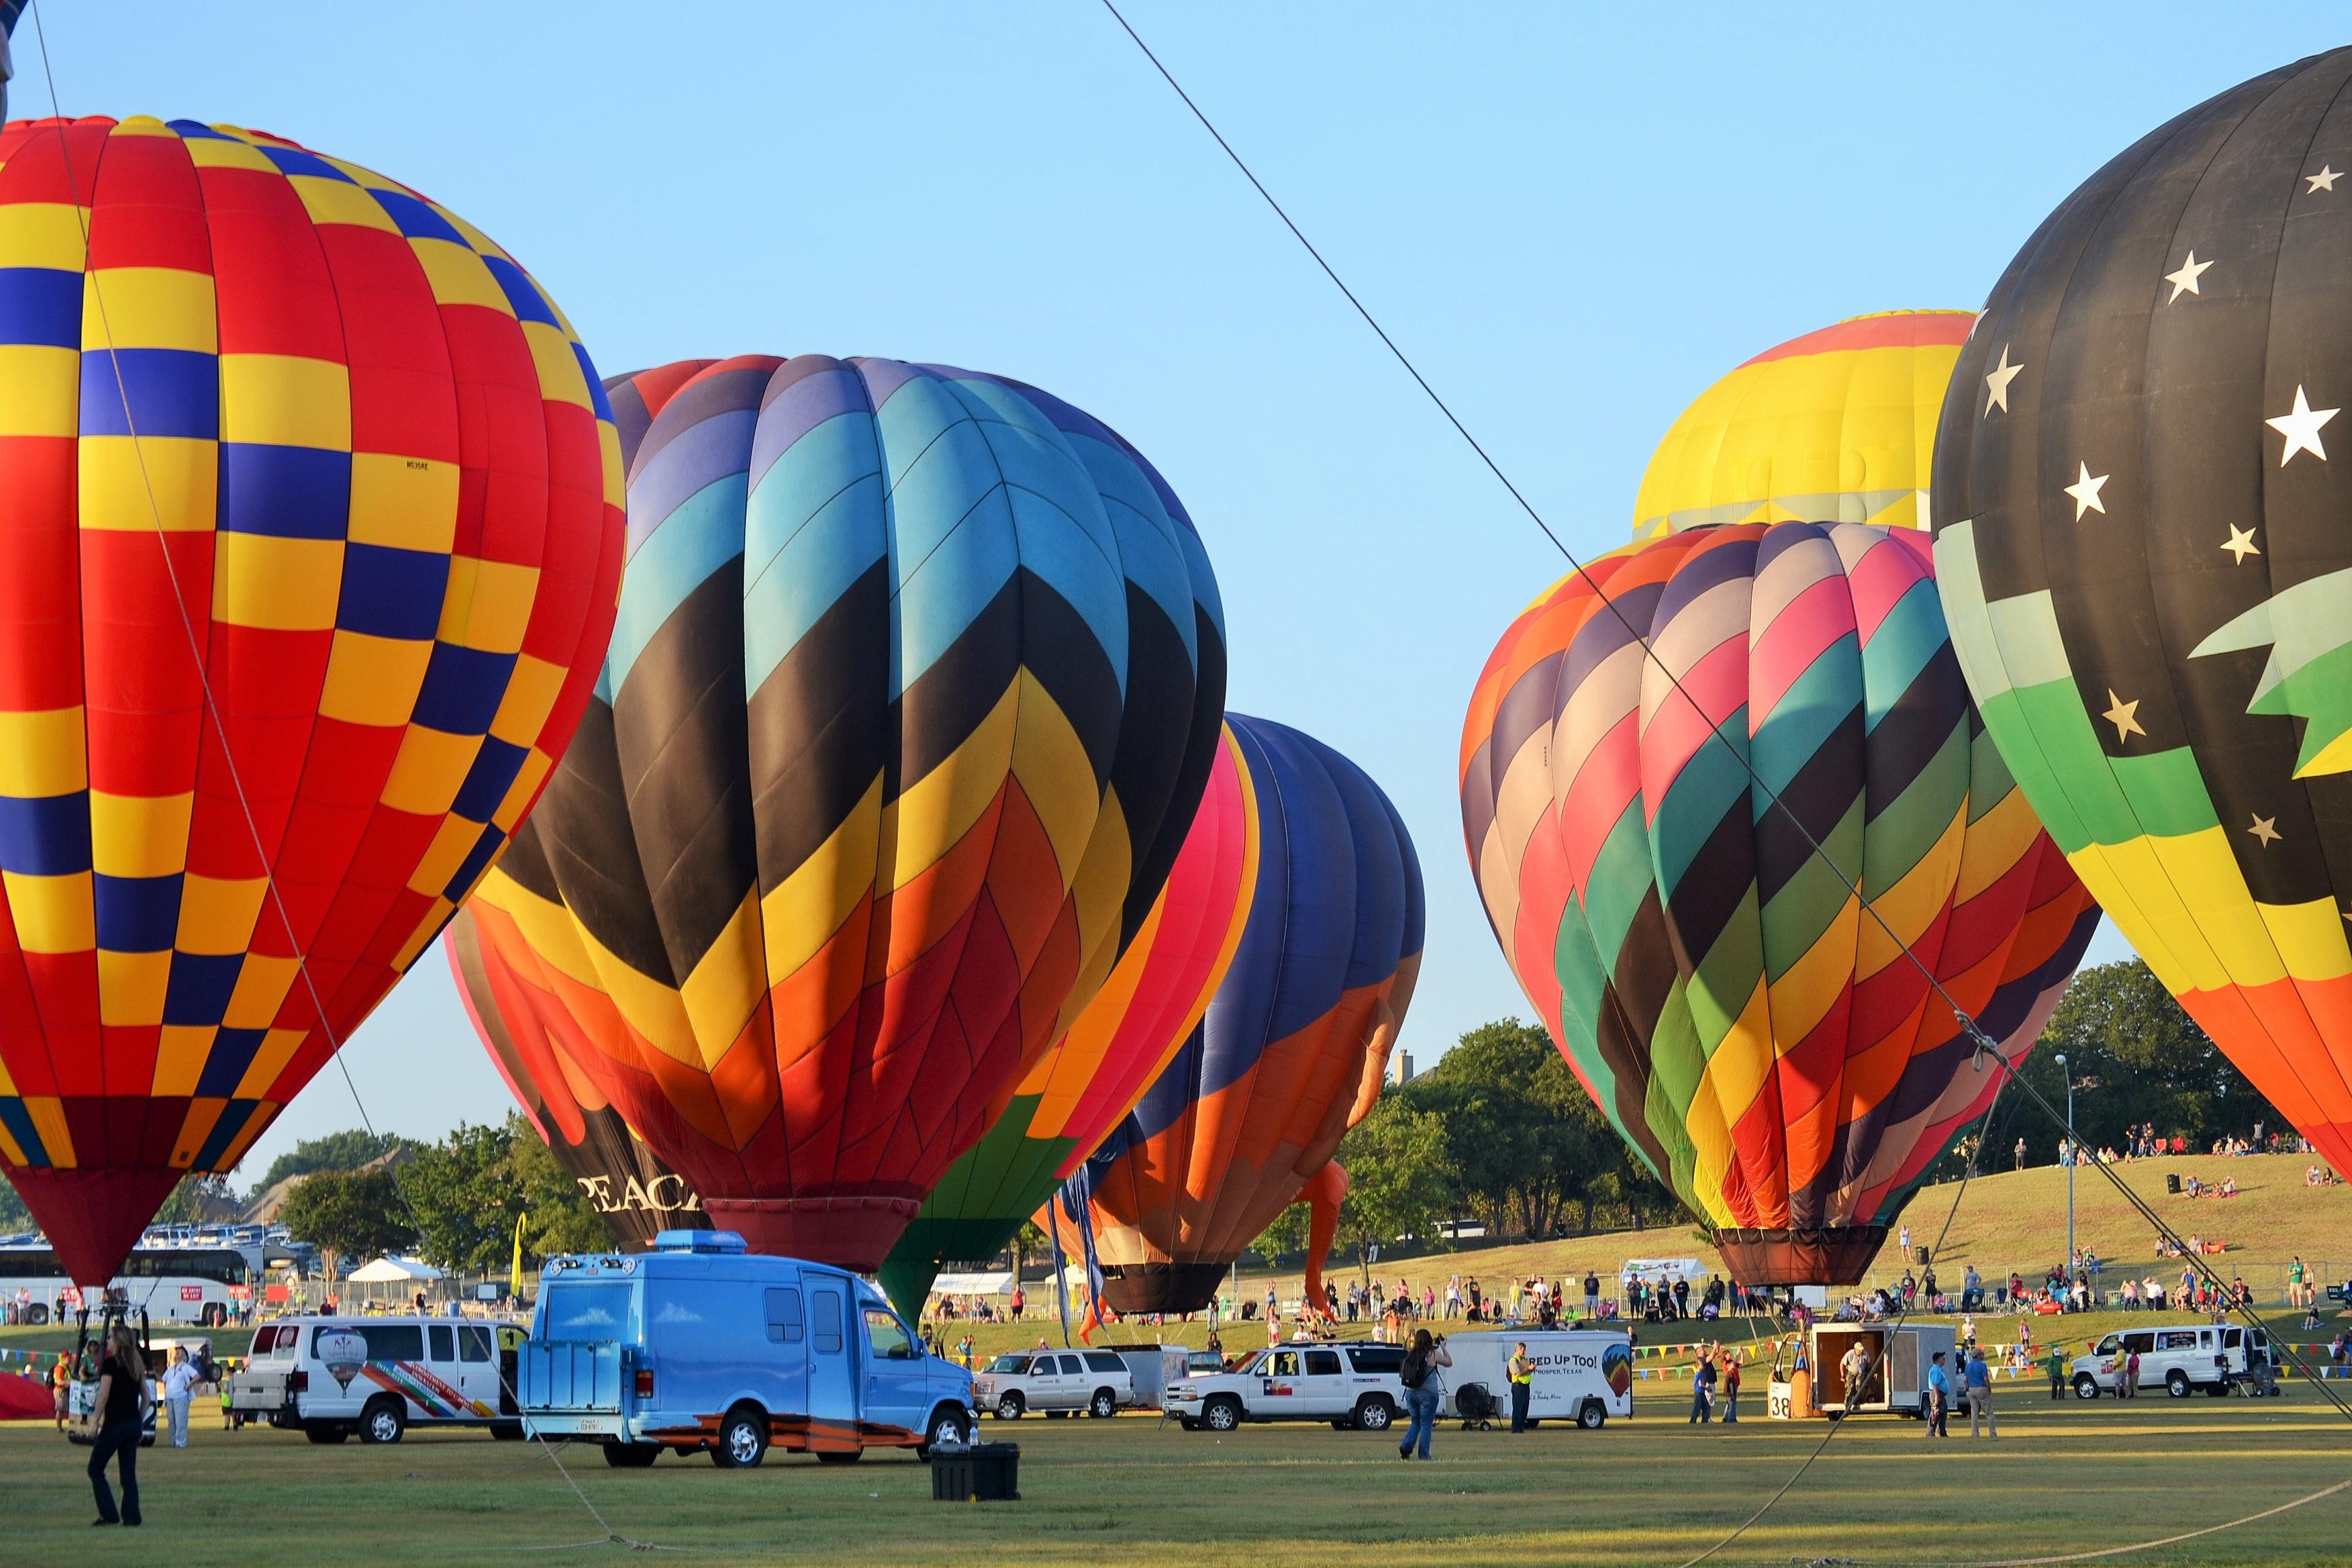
(832, 1372)
(895, 1383)
(1324, 1385)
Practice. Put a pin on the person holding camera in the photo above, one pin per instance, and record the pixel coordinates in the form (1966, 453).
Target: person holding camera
(1419, 1375)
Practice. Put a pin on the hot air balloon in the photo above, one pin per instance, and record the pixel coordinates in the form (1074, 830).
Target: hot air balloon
(631, 1190)
(1294, 1045)
(2141, 490)
(1091, 1078)
(1767, 1047)
(910, 699)
(309, 531)
(1833, 426)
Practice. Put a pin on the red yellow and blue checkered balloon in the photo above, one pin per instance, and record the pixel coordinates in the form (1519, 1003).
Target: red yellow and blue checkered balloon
(311, 534)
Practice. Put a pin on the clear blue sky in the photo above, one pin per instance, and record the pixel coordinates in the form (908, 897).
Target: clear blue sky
(1575, 219)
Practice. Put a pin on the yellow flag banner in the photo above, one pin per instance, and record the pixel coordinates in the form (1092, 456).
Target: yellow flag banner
(514, 1273)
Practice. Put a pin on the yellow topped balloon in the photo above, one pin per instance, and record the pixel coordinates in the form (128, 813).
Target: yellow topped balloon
(1838, 425)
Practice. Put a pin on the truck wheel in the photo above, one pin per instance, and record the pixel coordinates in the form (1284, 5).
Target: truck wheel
(948, 1428)
(1373, 1412)
(630, 1456)
(506, 1431)
(323, 1432)
(2086, 1386)
(1188, 1423)
(1223, 1413)
(742, 1438)
(1590, 1415)
(849, 1456)
(1104, 1405)
(383, 1420)
(1009, 1406)
(2176, 1383)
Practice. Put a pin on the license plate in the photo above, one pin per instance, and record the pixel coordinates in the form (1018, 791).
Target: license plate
(598, 1426)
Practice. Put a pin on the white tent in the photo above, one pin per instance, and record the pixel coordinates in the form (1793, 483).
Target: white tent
(997, 1282)
(394, 1271)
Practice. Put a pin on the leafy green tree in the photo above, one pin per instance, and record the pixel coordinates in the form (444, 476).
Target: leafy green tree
(1398, 1176)
(14, 1214)
(2135, 1058)
(471, 1189)
(198, 1200)
(348, 1214)
(1525, 1146)
(561, 1217)
(1287, 1234)
(466, 1200)
(345, 1151)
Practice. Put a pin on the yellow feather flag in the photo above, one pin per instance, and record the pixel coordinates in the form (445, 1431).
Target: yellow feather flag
(514, 1273)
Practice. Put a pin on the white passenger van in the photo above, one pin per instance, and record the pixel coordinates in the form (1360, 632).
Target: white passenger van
(2175, 1357)
(330, 1377)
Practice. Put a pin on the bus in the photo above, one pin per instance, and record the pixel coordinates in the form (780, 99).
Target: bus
(206, 1285)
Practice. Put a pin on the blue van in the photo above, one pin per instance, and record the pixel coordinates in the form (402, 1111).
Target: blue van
(698, 1344)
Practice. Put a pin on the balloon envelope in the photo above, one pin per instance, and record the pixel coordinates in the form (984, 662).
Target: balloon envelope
(1762, 1043)
(1292, 1049)
(309, 531)
(516, 1019)
(912, 694)
(1091, 1078)
(2141, 494)
(1833, 426)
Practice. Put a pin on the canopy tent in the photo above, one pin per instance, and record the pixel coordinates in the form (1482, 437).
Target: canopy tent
(994, 1282)
(394, 1271)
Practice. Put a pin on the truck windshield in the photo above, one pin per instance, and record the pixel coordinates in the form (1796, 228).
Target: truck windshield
(585, 1311)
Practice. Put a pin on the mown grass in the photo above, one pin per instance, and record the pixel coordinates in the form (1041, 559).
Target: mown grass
(2063, 1478)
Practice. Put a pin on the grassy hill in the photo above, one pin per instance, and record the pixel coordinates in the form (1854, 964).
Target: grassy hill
(2010, 1220)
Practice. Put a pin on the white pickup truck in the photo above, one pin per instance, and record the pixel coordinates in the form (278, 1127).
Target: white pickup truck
(1350, 1385)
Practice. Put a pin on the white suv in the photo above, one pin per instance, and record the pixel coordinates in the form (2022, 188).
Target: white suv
(1352, 1385)
(1096, 1381)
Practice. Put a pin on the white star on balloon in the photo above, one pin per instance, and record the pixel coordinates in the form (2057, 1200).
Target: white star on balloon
(1997, 384)
(2266, 829)
(2323, 181)
(2085, 492)
(2242, 543)
(2301, 425)
(2124, 716)
(2185, 281)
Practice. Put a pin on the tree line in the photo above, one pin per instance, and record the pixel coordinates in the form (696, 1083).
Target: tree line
(1499, 1133)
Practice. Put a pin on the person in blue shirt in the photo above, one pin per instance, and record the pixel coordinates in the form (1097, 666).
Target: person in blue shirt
(1979, 1380)
(1940, 1397)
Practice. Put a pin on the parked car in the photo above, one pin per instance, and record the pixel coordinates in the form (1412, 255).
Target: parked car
(2176, 1357)
(1584, 1375)
(1055, 1381)
(1349, 1385)
(330, 1377)
(700, 1346)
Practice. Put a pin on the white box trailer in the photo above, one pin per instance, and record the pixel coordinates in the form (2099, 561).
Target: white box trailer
(1584, 1375)
(1809, 1369)
(1154, 1367)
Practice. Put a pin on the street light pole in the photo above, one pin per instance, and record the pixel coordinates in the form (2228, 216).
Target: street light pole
(2070, 1169)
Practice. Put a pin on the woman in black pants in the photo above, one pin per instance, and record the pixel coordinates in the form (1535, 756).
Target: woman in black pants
(118, 1413)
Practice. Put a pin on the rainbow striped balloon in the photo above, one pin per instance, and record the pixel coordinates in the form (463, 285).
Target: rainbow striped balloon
(1762, 1042)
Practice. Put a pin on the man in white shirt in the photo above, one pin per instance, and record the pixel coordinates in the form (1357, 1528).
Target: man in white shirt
(179, 1388)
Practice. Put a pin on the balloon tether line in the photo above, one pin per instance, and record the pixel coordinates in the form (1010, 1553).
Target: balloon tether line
(1981, 1043)
(220, 728)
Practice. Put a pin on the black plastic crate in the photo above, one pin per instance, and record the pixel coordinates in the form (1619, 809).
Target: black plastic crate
(985, 1472)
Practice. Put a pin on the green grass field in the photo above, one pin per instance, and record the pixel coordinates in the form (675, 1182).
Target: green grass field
(2064, 1477)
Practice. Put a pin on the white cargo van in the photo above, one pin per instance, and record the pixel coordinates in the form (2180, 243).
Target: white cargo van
(330, 1377)
(1584, 1375)
(2175, 1357)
